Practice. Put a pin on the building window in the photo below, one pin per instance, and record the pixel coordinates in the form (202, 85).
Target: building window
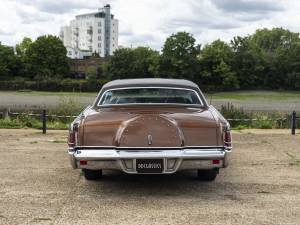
(99, 45)
(99, 38)
(99, 31)
(99, 24)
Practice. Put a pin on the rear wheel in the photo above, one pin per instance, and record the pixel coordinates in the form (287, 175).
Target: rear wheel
(208, 175)
(92, 174)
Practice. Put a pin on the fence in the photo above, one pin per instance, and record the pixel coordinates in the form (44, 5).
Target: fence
(7, 113)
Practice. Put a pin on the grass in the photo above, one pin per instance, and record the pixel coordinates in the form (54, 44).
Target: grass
(27, 122)
(255, 95)
(46, 93)
(235, 95)
(294, 159)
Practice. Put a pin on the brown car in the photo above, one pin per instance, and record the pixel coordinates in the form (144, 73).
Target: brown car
(150, 126)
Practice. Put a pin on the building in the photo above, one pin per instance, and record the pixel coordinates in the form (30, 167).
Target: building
(91, 33)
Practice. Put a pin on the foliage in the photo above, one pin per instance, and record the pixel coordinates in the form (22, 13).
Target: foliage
(240, 119)
(8, 62)
(66, 85)
(22, 48)
(179, 57)
(132, 63)
(46, 58)
(268, 59)
(216, 71)
(32, 122)
(67, 106)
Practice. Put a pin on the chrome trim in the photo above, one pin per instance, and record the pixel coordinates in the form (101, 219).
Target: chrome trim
(146, 147)
(115, 159)
(157, 87)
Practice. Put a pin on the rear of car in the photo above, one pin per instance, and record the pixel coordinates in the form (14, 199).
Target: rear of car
(150, 126)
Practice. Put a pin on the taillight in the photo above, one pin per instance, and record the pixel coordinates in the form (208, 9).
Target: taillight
(71, 139)
(227, 139)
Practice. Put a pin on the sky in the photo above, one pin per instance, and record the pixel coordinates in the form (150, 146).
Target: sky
(150, 22)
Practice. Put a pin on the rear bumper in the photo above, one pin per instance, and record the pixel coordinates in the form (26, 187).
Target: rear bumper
(125, 160)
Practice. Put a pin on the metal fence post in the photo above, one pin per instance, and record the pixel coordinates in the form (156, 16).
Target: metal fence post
(44, 121)
(294, 121)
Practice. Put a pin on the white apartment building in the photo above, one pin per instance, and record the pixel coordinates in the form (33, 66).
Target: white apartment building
(91, 33)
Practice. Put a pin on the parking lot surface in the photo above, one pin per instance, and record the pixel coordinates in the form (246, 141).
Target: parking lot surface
(38, 186)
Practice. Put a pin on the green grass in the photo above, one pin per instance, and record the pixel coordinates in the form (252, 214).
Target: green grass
(236, 95)
(46, 93)
(27, 122)
(253, 95)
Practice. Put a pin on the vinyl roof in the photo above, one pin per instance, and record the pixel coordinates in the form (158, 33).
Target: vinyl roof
(151, 82)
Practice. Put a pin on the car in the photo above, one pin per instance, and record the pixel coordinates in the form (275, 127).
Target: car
(150, 126)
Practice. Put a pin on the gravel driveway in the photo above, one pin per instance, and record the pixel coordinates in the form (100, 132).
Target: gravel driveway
(38, 186)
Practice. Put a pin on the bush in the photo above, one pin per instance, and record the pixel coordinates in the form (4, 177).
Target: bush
(33, 122)
(252, 120)
(67, 106)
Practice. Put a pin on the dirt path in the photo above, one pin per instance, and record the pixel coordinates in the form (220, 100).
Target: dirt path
(38, 186)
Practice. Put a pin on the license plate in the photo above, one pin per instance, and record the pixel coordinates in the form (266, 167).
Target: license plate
(149, 165)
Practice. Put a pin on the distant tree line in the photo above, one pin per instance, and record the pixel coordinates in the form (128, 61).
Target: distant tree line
(42, 59)
(267, 59)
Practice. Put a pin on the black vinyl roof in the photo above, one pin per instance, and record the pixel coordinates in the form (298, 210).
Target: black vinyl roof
(150, 82)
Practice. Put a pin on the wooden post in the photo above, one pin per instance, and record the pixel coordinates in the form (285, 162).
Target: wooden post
(44, 121)
(6, 114)
(294, 121)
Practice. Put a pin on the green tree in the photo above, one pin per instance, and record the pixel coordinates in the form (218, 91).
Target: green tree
(216, 72)
(277, 46)
(248, 63)
(23, 46)
(179, 57)
(46, 58)
(8, 62)
(132, 63)
(268, 59)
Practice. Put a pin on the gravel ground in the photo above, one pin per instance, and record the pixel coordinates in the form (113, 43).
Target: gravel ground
(35, 102)
(38, 186)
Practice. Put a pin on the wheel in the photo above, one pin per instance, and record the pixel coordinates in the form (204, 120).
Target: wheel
(92, 174)
(208, 175)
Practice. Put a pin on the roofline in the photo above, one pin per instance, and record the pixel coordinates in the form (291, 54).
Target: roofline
(146, 82)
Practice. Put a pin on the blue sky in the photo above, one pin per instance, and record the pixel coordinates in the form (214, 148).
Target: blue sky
(149, 22)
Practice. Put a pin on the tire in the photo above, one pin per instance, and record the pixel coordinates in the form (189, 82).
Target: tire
(208, 175)
(92, 174)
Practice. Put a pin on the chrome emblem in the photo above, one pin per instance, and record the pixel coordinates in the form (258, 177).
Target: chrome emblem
(149, 139)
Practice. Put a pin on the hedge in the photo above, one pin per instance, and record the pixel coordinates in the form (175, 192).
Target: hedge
(66, 85)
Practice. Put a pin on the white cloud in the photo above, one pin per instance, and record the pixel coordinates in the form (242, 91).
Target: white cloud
(149, 22)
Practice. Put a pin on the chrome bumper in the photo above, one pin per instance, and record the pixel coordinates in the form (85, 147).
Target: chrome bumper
(174, 160)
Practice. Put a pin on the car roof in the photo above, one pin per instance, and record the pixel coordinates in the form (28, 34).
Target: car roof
(150, 82)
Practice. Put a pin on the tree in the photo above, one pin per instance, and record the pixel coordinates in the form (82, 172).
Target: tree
(8, 62)
(132, 63)
(23, 46)
(47, 58)
(179, 57)
(268, 59)
(248, 63)
(216, 72)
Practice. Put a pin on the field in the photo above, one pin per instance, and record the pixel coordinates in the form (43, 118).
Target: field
(38, 186)
(264, 101)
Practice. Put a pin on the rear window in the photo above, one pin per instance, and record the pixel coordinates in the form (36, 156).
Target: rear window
(149, 96)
